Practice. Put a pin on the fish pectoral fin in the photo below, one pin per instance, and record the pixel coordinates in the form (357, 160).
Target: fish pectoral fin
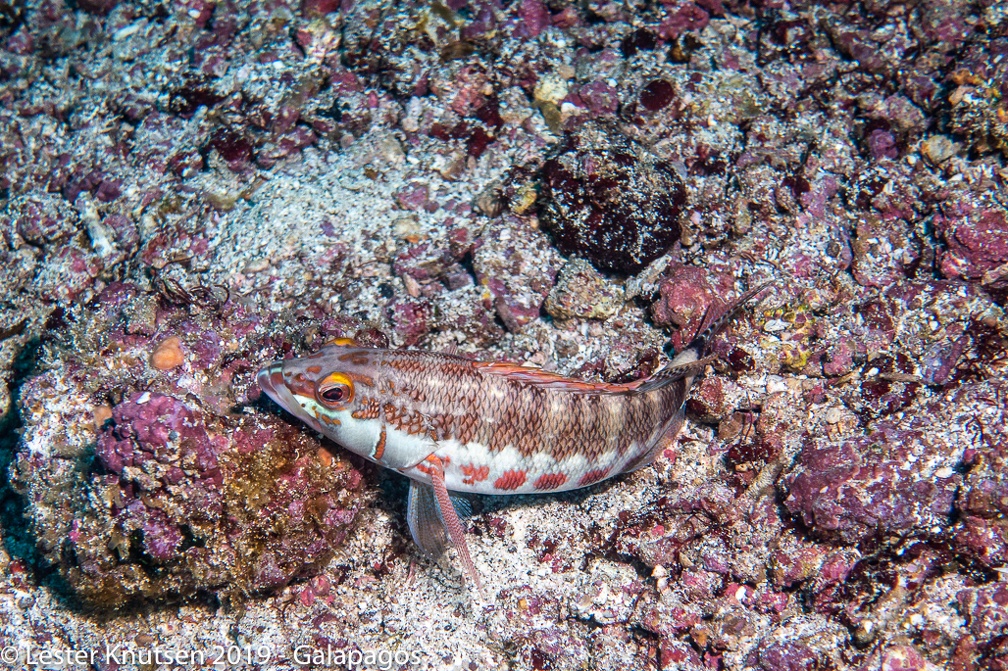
(424, 520)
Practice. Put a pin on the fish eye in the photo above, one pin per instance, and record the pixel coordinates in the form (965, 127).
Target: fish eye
(335, 389)
(335, 394)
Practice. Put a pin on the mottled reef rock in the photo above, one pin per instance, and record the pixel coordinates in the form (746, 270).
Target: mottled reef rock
(603, 198)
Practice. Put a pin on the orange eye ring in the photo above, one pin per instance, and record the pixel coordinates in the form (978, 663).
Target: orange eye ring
(334, 390)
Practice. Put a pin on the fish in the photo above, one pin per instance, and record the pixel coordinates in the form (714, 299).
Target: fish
(456, 426)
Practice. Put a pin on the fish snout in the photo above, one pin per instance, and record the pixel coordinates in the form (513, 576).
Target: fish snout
(271, 380)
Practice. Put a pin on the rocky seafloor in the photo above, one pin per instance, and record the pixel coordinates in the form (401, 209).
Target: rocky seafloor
(193, 188)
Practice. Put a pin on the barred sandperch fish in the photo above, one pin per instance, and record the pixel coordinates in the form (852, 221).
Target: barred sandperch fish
(451, 424)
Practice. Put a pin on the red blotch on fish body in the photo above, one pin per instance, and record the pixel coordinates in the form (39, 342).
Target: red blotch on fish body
(550, 481)
(591, 477)
(474, 474)
(510, 480)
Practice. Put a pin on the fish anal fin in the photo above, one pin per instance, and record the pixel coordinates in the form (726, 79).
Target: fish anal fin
(462, 506)
(664, 440)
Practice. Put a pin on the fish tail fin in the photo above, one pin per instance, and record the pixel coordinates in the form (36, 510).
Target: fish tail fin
(711, 326)
(694, 357)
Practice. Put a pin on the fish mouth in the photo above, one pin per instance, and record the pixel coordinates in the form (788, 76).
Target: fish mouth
(271, 381)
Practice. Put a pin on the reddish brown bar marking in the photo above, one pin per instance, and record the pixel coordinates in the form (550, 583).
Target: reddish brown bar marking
(357, 358)
(358, 377)
(379, 449)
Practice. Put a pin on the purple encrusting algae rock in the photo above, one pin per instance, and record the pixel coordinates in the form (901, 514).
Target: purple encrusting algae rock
(171, 496)
(180, 502)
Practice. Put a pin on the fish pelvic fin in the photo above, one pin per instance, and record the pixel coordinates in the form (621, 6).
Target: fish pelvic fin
(424, 520)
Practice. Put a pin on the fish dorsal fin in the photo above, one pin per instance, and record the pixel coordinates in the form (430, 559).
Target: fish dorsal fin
(541, 378)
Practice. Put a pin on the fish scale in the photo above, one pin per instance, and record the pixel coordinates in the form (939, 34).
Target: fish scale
(451, 424)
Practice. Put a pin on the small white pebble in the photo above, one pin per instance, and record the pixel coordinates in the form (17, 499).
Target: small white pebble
(125, 32)
(256, 267)
(774, 325)
(411, 285)
(944, 472)
(775, 384)
(834, 415)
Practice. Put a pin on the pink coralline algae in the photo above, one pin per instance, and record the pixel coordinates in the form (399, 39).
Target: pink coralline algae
(519, 267)
(534, 17)
(788, 657)
(983, 498)
(684, 296)
(600, 98)
(146, 425)
(180, 497)
(688, 16)
(411, 320)
(44, 219)
(977, 243)
(853, 489)
(986, 611)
